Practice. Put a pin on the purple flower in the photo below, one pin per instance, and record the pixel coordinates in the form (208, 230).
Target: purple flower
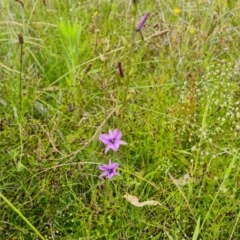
(112, 140)
(142, 21)
(120, 68)
(109, 170)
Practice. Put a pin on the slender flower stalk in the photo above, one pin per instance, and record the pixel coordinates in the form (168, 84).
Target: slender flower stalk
(21, 42)
(112, 140)
(109, 170)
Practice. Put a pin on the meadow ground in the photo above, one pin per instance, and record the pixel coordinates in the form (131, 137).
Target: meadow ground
(73, 70)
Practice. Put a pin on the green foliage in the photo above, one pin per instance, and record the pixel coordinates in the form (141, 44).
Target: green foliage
(177, 107)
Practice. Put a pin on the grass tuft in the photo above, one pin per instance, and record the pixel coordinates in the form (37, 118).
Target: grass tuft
(79, 69)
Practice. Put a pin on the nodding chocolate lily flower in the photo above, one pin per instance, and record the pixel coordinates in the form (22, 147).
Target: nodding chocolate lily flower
(142, 21)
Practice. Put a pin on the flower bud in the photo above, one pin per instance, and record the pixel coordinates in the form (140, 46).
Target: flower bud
(142, 21)
(20, 39)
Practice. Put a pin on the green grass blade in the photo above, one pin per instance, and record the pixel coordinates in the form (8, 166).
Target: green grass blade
(226, 175)
(21, 215)
(197, 230)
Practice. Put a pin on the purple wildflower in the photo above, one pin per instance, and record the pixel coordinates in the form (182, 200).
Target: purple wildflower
(112, 140)
(109, 170)
(142, 21)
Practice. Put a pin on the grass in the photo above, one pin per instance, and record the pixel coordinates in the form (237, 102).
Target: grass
(177, 107)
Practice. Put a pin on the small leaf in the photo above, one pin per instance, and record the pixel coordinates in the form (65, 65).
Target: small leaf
(134, 201)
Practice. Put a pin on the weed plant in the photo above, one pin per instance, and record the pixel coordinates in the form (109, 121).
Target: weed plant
(73, 70)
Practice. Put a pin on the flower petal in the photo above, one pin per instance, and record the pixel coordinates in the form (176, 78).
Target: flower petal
(115, 146)
(110, 134)
(113, 166)
(110, 175)
(104, 174)
(104, 138)
(117, 134)
(108, 147)
(103, 167)
(120, 142)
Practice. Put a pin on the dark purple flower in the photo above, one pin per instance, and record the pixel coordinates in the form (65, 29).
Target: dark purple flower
(120, 69)
(109, 170)
(20, 39)
(112, 140)
(142, 21)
